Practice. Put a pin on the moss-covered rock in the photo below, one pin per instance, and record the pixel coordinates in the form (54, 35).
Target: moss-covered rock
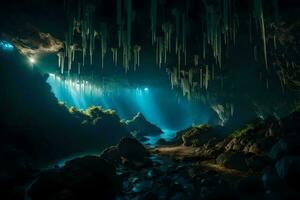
(199, 135)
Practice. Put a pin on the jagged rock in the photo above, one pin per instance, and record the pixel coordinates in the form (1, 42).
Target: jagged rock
(258, 163)
(162, 141)
(141, 126)
(198, 136)
(285, 146)
(89, 177)
(250, 142)
(233, 160)
(134, 154)
(112, 155)
(139, 136)
(288, 169)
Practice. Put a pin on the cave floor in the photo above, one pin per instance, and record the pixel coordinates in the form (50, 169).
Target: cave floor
(177, 173)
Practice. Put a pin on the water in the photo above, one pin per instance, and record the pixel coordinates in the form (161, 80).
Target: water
(167, 135)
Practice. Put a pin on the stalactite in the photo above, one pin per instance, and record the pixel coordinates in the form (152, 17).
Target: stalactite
(174, 77)
(114, 55)
(191, 76)
(153, 13)
(179, 58)
(176, 13)
(184, 37)
(87, 31)
(73, 52)
(231, 109)
(69, 56)
(186, 89)
(136, 56)
(79, 68)
(214, 32)
(157, 53)
(235, 28)
(92, 45)
(119, 21)
(129, 21)
(206, 77)
(226, 12)
(125, 53)
(255, 53)
(61, 61)
(167, 29)
(69, 40)
(196, 60)
(201, 78)
(204, 46)
(259, 18)
(103, 34)
(213, 73)
(160, 50)
(84, 46)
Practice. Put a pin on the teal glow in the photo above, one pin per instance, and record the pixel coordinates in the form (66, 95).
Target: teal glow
(4, 45)
(167, 135)
(160, 106)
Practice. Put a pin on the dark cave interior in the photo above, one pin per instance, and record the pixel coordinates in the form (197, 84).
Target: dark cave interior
(149, 99)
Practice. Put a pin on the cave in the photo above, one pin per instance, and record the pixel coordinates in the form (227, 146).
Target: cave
(149, 99)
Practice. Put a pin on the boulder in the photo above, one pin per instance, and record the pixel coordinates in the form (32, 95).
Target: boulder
(199, 135)
(270, 179)
(132, 150)
(288, 169)
(233, 160)
(258, 163)
(284, 147)
(141, 126)
(89, 177)
(112, 155)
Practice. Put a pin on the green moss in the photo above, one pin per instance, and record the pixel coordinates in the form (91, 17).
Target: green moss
(198, 129)
(196, 143)
(243, 131)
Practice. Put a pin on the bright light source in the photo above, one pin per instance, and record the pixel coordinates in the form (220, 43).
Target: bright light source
(6, 45)
(146, 89)
(31, 60)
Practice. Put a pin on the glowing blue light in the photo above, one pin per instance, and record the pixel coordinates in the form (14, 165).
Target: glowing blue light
(158, 106)
(6, 46)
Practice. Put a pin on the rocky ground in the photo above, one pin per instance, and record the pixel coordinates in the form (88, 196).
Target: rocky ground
(259, 161)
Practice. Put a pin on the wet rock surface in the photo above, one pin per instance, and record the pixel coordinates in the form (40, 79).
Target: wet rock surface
(82, 178)
(200, 135)
(258, 161)
(129, 152)
(139, 126)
